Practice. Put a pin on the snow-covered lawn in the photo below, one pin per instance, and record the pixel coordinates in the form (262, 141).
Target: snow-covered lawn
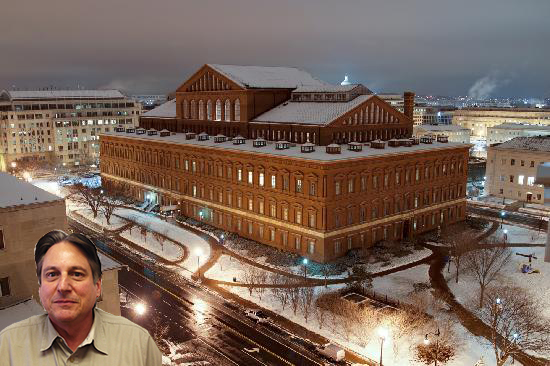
(114, 223)
(167, 249)
(518, 234)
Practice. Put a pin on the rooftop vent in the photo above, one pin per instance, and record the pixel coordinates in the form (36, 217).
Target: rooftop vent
(140, 131)
(259, 142)
(333, 149)
(130, 130)
(220, 138)
(282, 145)
(394, 143)
(164, 133)
(238, 140)
(190, 135)
(426, 139)
(377, 144)
(152, 132)
(119, 128)
(442, 138)
(307, 147)
(203, 136)
(355, 146)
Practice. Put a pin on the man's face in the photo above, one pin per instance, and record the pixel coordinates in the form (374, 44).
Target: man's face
(67, 292)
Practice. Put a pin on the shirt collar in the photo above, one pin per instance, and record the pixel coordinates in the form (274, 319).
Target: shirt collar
(99, 342)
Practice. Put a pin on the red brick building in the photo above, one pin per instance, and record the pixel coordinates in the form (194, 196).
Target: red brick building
(317, 201)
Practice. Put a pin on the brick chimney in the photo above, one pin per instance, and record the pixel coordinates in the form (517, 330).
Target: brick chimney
(408, 104)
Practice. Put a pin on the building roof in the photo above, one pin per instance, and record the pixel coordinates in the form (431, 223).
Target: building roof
(325, 88)
(315, 113)
(15, 192)
(441, 128)
(521, 126)
(266, 77)
(295, 149)
(62, 94)
(535, 143)
(165, 110)
(108, 263)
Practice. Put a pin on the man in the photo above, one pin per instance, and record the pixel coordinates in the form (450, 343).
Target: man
(73, 331)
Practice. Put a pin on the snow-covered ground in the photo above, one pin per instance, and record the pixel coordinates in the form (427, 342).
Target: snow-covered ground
(114, 223)
(518, 234)
(167, 249)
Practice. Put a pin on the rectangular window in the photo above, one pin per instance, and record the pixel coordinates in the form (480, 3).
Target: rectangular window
(229, 172)
(386, 180)
(311, 220)
(520, 179)
(272, 234)
(417, 173)
(285, 213)
(261, 207)
(186, 164)
(375, 181)
(350, 186)
(337, 247)
(532, 164)
(284, 237)
(250, 228)
(297, 243)
(239, 201)
(511, 179)
(239, 174)
(512, 161)
(4, 286)
(311, 247)
(530, 181)
(194, 166)
(273, 181)
(363, 183)
(362, 214)
(350, 242)
(2, 245)
(312, 189)
(298, 186)
(261, 231)
(285, 183)
(397, 178)
(523, 163)
(261, 179)
(250, 204)
(298, 216)
(273, 210)
(337, 188)
(250, 177)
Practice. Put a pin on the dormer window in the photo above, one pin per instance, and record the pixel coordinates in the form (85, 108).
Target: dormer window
(164, 133)
(239, 140)
(308, 147)
(119, 128)
(333, 149)
(130, 130)
(259, 142)
(140, 131)
(219, 138)
(152, 132)
(355, 146)
(190, 135)
(282, 145)
(203, 136)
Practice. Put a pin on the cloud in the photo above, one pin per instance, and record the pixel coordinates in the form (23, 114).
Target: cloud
(485, 86)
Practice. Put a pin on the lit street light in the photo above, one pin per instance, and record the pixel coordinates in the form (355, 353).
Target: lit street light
(383, 333)
(502, 214)
(304, 262)
(427, 341)
(140, 309)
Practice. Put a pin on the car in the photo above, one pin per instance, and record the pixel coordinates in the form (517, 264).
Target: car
(257, 315)
(332, 352)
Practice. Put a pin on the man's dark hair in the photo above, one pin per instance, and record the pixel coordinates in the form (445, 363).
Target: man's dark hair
(86, 246)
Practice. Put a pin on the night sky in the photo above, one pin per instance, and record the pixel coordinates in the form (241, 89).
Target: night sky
(497, 48)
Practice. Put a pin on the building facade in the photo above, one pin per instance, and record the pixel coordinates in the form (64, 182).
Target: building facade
(512, 168)
(478, 120)
(508, 131)
(61, 127)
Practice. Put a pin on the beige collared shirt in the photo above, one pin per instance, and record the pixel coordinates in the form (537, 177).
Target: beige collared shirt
(112, 341)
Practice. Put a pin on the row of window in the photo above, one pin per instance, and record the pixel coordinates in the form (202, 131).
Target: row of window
(513, 162)
(231, 111)
(521, 179)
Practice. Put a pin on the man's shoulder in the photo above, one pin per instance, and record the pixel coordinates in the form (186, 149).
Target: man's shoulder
(109, 320)
(35, 321)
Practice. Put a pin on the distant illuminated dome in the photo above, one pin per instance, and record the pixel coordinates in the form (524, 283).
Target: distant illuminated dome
(346, 81)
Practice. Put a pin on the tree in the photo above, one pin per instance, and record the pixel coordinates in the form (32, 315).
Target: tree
(435, 352)
(460, 241)
(485, 264)
(361, 277)
(112, 197)
(516, 322)
(160, 238)
(306, 301)
(293, 294)
(324, 304)
(88, 196)
(279, 293)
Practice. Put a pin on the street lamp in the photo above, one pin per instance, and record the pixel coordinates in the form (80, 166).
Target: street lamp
(383, 334)
(515, 337)
(198, 253)
(427, 341)
(304, 262)
(505, 236)
(502, 214)
(140, 309)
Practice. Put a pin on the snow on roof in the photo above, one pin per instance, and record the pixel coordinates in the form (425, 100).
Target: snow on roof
(21, 311)
(266, 77)
(108, 263)
(165, 110)
(442, 128)
(61, 94)
(15, 192)
(325, 88)
(521, 126)
(536, 143)
(315, 113)
(293, 151)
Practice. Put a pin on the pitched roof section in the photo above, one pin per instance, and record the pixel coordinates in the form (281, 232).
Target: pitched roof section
(165, 110)
(310, 112)
(15, 192)
(64, 94)
(265, 77)
(539, 143)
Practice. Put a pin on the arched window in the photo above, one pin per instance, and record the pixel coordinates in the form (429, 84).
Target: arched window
(237, 110)
(193, 109)
(218, 110)
(209, 110)
(185, 109)
(227, 110)
(201, 109)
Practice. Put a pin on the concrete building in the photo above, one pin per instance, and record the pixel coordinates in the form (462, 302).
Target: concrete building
(26, 214)
(478, 120)
(508, 131)
(60, 126)
(288, 185)
(454, 133)
(512, 168)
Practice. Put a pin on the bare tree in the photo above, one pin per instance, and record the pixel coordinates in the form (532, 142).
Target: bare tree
(251, 277)
(143, 233)
(460, 242)
(323, 306)
(485, 264)
(435, 352)
(279, 293)
(325, 269)
(88, 196)
(293, 294)
(159, 237)
(261, 279)
(159, 331)
(307, 295)
(361, 277)
(516, 323)
(112, 197)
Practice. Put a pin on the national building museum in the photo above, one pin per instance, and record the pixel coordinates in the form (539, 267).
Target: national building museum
(285, 159)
